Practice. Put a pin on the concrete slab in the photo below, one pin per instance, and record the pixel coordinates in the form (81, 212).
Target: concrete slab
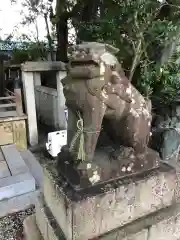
(34, 167)
(4, 170)
(14, 160)
(16, 185)
(46, 222)
(18, 203)
(18, 191)
(30, 229)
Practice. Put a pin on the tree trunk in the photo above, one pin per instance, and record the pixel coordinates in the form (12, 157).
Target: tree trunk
(83, 12)
(87, 16)
(62, 39)
(37, 40)
(49, 37)
(62, 30)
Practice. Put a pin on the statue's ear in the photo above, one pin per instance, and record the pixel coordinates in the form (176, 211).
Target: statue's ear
(117, 67)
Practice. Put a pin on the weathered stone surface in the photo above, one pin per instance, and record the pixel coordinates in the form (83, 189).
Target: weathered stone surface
(49, 228)
(29, 96)
(42, 66)
(127, 123)
(30, 229)
(143, 235)
(161, 225)
(34, 167)
(46, 222)
(167, 229)
(98, 214)
(167, 117)
(167, 143)
(118, 235)
(58, 204)
(93, 48)
(47, 225)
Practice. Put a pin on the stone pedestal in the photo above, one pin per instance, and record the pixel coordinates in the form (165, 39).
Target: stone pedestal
(143, 208)
(161, 225)
(31, 232)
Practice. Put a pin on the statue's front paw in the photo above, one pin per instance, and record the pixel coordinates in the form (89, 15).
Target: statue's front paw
(91, 171)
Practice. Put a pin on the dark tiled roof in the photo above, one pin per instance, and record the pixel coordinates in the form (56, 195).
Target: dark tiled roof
(9, 46)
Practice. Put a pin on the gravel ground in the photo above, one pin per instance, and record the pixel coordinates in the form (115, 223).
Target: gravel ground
(11, 227)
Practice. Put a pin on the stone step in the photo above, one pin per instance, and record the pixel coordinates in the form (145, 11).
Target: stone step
(18, 203)
(34, 167)
(16, 178)
(14, 160)
(18, 188)
(16, 185)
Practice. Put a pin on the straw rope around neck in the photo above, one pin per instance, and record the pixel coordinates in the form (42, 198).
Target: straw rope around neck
(79, 135)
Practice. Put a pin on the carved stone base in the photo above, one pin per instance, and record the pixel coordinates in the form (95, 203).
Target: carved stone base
(163, 224)
(95, 211)
(108, 166)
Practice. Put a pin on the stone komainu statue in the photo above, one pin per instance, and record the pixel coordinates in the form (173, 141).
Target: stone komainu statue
(97, 88)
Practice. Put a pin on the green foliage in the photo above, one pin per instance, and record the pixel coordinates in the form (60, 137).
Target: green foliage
(145, 31)
(168, 82)
(162, 83)
(142, 30)
(29, 52)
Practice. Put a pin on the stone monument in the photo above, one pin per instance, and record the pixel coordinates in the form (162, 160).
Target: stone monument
(107, 184)
(99, 95)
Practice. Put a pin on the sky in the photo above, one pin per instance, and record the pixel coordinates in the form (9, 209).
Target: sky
(10, 19)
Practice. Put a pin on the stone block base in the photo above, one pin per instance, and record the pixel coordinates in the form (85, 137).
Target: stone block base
(162, 225)
(46, 222)
(88, 215)
(30, 229)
